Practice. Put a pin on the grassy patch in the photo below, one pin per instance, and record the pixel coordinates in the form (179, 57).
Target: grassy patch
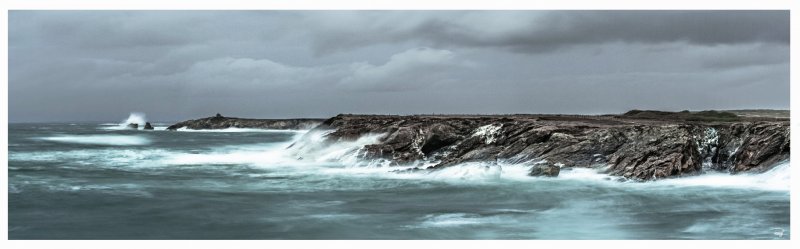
(704, 116)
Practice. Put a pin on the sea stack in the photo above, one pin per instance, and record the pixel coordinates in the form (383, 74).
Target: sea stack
(147, 126)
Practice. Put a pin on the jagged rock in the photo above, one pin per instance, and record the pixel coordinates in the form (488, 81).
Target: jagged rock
(635, 148)
(653, 152)
(134, 126)
(544, 169)
(220, 122)
(147, 126)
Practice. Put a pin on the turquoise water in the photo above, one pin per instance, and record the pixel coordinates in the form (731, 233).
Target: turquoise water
(95, 181)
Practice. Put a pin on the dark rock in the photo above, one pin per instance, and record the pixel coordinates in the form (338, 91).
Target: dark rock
(147, 126)
(653, 152)
(544, 169)
(134, 126)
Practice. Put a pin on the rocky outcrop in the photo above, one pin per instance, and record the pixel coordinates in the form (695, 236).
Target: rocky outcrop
(220, 122)
(545, 169)
(635, 148)
(148, 126)
(133, 126)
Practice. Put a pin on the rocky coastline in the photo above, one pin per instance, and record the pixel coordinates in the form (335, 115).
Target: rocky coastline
(638, 145)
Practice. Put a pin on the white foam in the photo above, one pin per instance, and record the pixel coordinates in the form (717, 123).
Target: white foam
(118, 140)
(133, 118)
(112, 189)
(307, 150)
(313, 147)
(264, 157)
(455, 220)
(777, 179)
(116, 127)
(109, 157)
(586, 174)
(466, 172)
(488, 132)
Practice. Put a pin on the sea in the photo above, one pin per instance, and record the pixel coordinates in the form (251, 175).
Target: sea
(102, 181)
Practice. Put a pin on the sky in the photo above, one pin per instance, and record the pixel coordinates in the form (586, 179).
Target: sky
(176, 65)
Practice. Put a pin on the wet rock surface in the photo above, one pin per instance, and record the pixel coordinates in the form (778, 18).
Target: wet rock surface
(546, 169)
(221, 122)
(632, 147)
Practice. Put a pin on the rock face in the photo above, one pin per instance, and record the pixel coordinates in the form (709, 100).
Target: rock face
(147, 126)
(220, 122)
(635, 148)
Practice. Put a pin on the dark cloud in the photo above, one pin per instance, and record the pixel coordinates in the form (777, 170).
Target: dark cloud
(172, 65)
(542, 31)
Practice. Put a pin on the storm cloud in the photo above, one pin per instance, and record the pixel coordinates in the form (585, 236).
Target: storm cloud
(174, 65)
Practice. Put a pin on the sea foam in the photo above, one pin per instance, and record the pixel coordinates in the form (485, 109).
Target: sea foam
(777, 178)
(113, 140)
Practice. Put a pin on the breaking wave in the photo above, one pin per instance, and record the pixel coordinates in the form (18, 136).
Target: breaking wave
(310, 154)
(305, 149)
(777, 178)
(133, 118)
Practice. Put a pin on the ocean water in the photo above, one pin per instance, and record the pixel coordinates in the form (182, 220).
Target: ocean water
(99, 181)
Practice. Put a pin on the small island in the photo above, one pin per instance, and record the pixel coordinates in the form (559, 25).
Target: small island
(221, 122)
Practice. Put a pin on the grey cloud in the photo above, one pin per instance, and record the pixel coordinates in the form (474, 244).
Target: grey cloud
(247, 73)
(409, 70)
(542, 31)
(724, 57)
(172, 65)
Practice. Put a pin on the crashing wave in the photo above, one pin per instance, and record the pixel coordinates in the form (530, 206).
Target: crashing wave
(314, 148)
(134, 118)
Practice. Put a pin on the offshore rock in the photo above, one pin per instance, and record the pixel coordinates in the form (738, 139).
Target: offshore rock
(133, 126)
(147, 126)
(642, 146)
(220, 122)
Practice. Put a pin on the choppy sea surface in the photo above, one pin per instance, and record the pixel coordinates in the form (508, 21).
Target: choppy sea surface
(99, 181)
